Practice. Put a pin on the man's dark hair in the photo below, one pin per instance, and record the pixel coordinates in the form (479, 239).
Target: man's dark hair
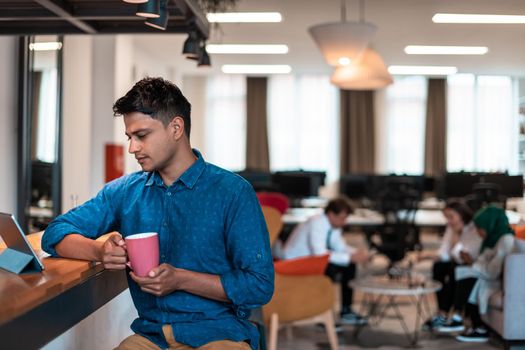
(158, 98)
(461, 208)
(339, 205)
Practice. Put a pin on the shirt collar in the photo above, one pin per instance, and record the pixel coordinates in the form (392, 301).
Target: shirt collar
(154, 179)
(192, 174)
(188, 178)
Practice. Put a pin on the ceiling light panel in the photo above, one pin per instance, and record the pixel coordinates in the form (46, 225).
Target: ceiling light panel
(477, 18)
(247, 49)
(256, 69)
(422, 70)
(445, 50)
(45, 46)
(244, 17)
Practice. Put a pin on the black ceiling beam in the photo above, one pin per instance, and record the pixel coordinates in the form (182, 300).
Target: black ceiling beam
(192, 11)
(83, 18)
(110, 27)
(25, 17)
(26, 12)
(60, 10)
(23, 28)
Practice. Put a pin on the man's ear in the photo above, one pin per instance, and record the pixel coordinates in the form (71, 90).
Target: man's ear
(177, 126)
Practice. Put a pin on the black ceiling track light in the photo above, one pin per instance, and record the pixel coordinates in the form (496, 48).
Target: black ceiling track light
(160, 22)
(204, 58)
(191, 45)
(150, 9)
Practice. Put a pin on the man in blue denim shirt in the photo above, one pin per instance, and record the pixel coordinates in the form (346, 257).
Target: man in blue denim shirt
(215, 259)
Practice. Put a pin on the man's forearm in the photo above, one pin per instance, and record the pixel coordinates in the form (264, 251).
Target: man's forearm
(79, 247)
(202, 284)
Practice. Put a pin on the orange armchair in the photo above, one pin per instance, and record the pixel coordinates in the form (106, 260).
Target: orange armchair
(304, 298)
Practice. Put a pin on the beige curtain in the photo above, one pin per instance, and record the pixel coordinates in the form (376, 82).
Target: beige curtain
(436, 128)
(257, 153)
(357, 132)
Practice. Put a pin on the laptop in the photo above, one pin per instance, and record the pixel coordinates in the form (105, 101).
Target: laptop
(19, 255)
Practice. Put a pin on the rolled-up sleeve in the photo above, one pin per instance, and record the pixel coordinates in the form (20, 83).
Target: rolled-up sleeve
(92, 219)
(250, 283)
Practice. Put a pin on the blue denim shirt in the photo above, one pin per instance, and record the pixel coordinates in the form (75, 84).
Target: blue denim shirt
(210, 221)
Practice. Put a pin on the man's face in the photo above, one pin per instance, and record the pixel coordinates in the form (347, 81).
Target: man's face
(153, 145)
(337, 220)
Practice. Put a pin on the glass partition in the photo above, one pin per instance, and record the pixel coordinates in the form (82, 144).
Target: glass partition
(39, 130)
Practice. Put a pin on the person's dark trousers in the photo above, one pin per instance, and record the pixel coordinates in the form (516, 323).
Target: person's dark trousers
(443, 271)
(462, 293)
(473, 312)
(343, 275)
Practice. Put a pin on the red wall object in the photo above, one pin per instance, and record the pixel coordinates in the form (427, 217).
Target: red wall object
(114, 161)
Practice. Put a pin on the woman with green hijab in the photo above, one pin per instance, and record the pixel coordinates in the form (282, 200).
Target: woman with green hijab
(476, 283)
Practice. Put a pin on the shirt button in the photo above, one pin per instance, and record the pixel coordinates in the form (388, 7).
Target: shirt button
(169, 193)
(165, 224)
(163, 256)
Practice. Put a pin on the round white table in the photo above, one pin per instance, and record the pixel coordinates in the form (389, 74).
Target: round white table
(376, 288)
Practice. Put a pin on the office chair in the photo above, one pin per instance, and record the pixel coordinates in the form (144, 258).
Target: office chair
(275, 200)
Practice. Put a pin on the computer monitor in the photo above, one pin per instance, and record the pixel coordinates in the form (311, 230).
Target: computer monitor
(41, 180)
(354, 186)
(430, 184)
(459, 184)
(377, 184)
(509, 185)
(260, 180)
(417, 182)
(299, 183)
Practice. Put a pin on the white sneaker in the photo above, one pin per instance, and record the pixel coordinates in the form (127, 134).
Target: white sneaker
(454, 324)
(476, 335)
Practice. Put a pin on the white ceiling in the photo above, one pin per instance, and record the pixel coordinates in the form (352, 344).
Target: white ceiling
(399, 22)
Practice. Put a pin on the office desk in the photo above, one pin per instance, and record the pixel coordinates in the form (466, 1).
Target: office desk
(35, 308)
(365, 217)
(370, 218)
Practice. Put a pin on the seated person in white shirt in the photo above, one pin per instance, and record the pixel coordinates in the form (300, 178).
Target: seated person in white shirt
(322, 234)
(460, 246)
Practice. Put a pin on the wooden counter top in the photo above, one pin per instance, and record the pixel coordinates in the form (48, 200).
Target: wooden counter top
(56, 293)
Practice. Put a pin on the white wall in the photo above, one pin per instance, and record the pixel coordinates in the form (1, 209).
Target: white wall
(194, 88)
(124, 80)
(145, 65)
(76, 120)
(8, 119)
(103, 93)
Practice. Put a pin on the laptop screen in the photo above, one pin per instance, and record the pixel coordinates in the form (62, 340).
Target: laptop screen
(15, 238)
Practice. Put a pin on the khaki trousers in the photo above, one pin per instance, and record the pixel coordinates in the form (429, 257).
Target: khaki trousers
(138, 342)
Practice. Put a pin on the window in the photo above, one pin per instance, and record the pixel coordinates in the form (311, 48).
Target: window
(402, 120)
(225, 135)
(46, 123)
(303, 124)
(481, 124)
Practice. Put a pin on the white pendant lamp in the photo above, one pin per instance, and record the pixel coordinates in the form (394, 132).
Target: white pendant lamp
(367, 73)
(342, 41)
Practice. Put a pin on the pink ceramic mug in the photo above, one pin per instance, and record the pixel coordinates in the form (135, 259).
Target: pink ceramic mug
(143, 252)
